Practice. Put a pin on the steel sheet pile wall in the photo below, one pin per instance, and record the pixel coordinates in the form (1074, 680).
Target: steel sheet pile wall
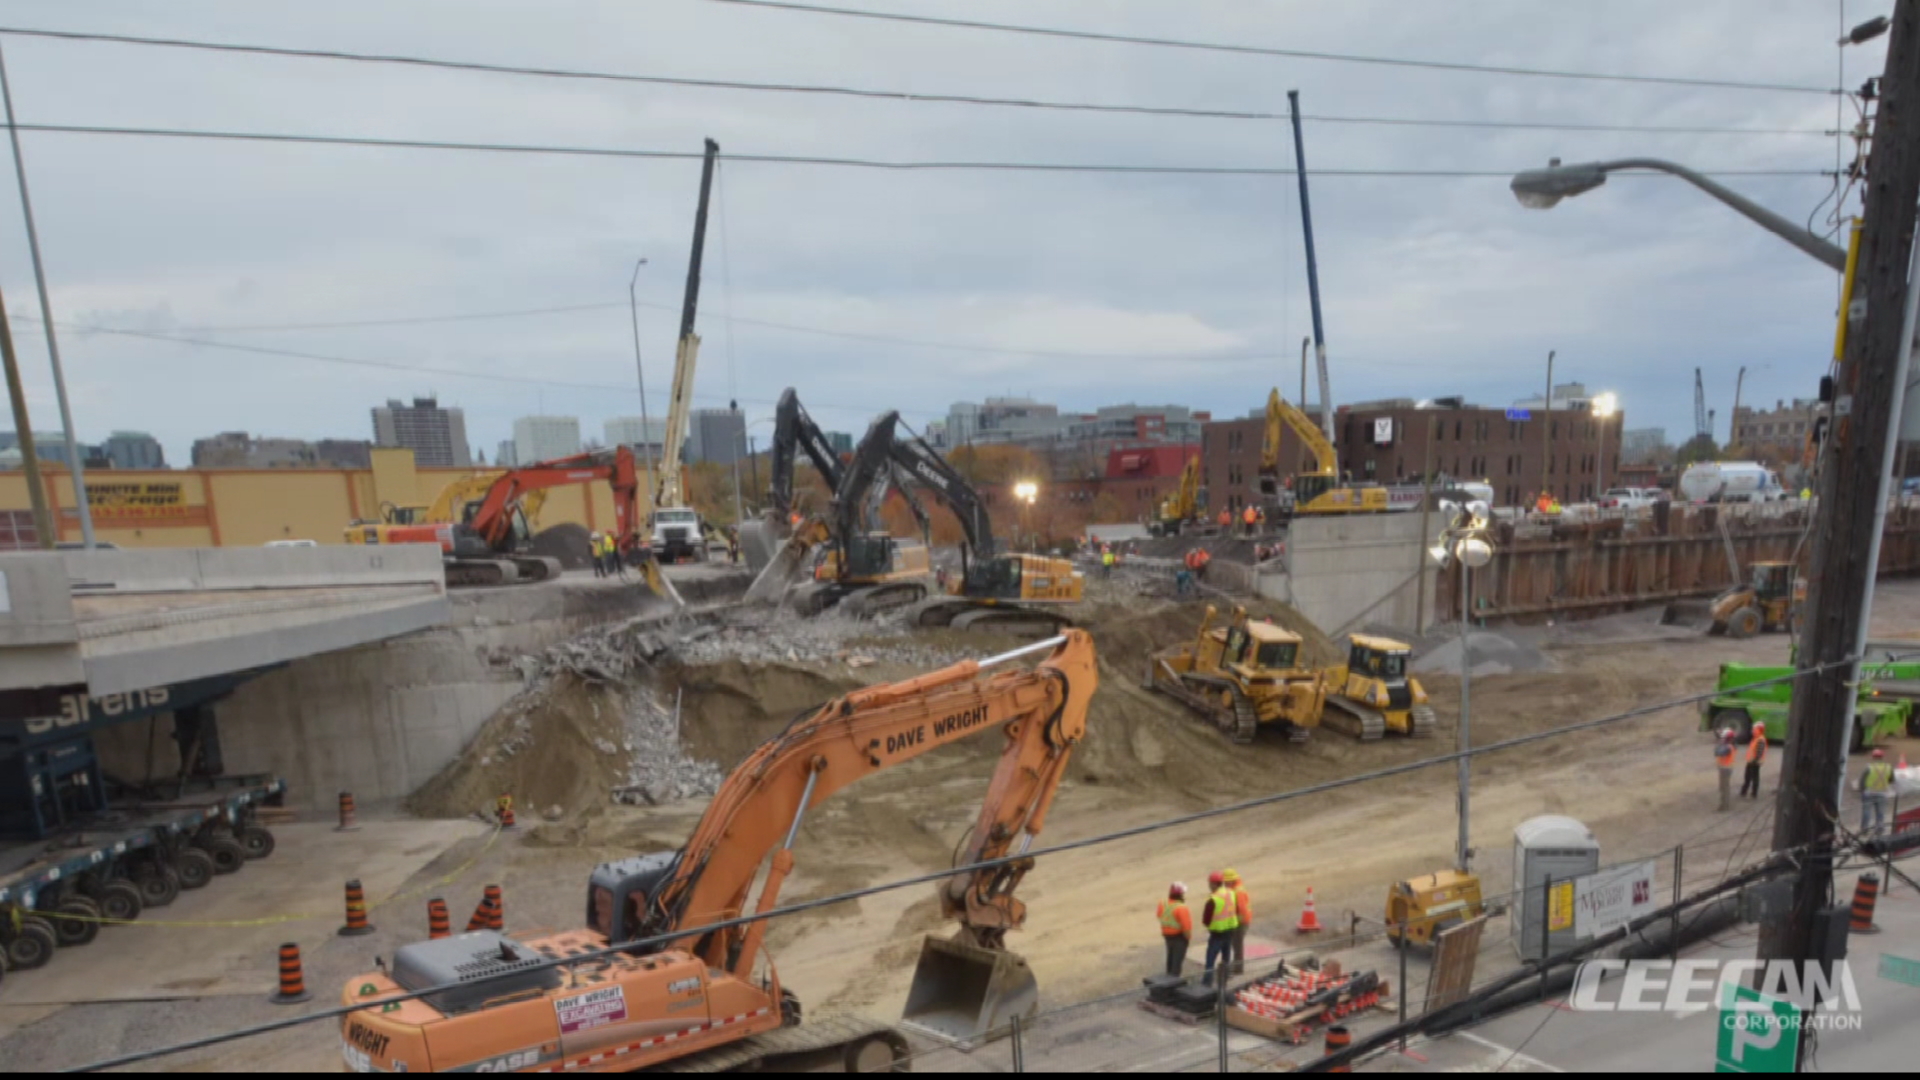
(1616, 562)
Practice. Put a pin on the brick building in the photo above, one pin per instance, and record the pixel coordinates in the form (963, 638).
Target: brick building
(1778, 434)
(1387, 442)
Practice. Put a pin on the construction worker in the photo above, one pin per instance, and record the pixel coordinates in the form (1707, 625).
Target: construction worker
(1222, 919)
(1243, 914)
(1723, 758)
(1876, 790)
(1106, 561)
(1756, 756)
(1176, 927)
(595, 550)
(1226, 521)
(1249, 517)
(1201, 557)
(1543, 504)
(615, 564)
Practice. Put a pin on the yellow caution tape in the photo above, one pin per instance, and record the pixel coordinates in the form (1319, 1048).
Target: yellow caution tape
(271, 920)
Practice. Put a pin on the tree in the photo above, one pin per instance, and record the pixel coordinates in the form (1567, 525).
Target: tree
(1698, 448)
(1107, 511)
(997, 464)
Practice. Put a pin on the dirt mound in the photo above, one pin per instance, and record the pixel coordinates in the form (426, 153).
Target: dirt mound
(568, 543)
(1127, 634)
(1488, 653)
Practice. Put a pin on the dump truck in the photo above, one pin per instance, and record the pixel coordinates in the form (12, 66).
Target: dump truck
(1372, 693)
(667, 973)
(1741, 703)
(1243, 676)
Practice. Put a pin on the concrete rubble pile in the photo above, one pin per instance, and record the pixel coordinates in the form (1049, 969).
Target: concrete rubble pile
(659, 771)
(829, 638)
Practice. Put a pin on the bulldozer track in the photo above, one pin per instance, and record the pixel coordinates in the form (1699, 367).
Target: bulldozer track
(1423, 722)
(1244, 719)
(811, 1037)
(1351, 718)
(1240, 722)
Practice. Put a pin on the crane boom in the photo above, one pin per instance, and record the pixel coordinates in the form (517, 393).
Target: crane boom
(686, 354)
(1702, 422)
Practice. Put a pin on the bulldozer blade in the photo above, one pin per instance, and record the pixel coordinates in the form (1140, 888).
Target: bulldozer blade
(1693, 614)
(967, 996)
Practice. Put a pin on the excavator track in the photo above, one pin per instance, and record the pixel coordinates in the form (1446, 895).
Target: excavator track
(1423, 722)
(469, 573)
(865, 603)
(835, 1033)
(1352, 718)
(1012, 619)
(537, 567)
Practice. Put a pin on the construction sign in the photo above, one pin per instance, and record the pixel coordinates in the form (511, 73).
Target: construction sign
(1560, 907)
(1610, 899)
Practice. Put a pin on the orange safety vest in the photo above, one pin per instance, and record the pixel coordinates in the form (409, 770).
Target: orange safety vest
(1725, 759)
(1757, 749)
(1175, 919)
(1243, 906)
(1225, 518)
(1248, 517)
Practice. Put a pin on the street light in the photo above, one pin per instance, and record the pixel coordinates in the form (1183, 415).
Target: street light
(1604, 407)
(646, 426)
(1466, 540)
(1027, 491)
(1542, 189)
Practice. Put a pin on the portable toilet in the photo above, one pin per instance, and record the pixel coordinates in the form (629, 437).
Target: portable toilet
(1549, 852)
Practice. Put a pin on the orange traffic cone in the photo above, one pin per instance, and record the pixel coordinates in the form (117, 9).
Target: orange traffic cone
(1309, 919)
(1903, 761)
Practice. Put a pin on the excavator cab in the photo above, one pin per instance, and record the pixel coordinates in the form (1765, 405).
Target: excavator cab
(617, 894)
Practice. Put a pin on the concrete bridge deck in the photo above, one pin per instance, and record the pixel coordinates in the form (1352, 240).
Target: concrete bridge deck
(119, 621)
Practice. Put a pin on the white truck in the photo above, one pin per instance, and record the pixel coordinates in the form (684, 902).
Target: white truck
(1630, 499)
(1730, 482)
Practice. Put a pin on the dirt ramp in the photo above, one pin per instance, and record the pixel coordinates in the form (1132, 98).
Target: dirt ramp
(562, 745)
(728, 709)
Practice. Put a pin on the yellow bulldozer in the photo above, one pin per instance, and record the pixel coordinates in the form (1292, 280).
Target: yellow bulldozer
(1768, 601)
(1243, 676)
(1372, 693)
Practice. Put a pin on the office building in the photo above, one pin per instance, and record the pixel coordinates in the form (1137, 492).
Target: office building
(545, 438)
(642, 436)
(437, 436)
(717, 435)
(842, 442)
(503, 455)
(1777, 434)
(133, 450)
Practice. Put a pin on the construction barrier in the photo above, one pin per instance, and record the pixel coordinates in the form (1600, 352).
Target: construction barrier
(349, 819)
(496, 909)
(504, 811)
(1338, 1039)
(439, 922)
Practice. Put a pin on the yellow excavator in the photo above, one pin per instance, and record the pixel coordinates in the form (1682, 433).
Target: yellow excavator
(657, 979)
(1181, 507)
(1321, 491)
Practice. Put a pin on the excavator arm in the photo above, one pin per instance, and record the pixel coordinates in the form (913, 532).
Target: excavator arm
(494, 516)
(1040, 713)
(794, 432)
(1325, 459)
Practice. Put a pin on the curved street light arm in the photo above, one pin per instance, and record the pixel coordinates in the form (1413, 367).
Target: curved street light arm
(1831, 254)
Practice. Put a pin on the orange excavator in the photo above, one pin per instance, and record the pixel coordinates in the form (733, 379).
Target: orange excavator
(485, 541)
(696, 999)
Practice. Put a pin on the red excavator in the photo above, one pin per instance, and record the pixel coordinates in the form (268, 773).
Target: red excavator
(695, 999)
(486, 539)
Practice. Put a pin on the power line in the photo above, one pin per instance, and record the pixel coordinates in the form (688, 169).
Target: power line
(418, 320)
(1293, 54)
(802, 159)
(903, 96)
(801, 907)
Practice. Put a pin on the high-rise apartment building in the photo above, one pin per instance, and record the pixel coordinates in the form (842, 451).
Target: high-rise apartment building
(437, 436)
(717, 435)
(545, 438)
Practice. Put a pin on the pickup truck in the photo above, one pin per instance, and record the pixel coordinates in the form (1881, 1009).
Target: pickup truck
(1629, 498)
(1739, 704)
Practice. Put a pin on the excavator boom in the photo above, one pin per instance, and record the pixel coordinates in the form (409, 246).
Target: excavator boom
(704, 985)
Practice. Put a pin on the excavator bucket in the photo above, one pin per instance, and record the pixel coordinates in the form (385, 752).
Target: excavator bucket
(657, 581)
(780, 572)
(965, 995)
(759, 543)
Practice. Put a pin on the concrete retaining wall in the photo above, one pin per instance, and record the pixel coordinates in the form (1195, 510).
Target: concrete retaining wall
(1345, 572)
(380, 720)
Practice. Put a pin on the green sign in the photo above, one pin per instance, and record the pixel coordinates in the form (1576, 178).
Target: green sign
(1900, 970)
(1758, 1034)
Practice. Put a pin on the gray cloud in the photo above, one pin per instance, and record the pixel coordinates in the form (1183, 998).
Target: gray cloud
(1431, 285)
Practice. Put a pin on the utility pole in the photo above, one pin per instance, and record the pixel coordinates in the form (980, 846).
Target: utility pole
(1546, 429)
(1867, 392)
(76, 468)
(1733, 429)
(23, 427)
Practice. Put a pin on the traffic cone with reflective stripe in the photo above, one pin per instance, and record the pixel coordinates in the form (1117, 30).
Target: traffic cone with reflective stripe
(481, 917)
(496, 907)
(293, 982)
(1866, 896)
(1309, 919)
(439, 923)
(349, 819)
(357, 924)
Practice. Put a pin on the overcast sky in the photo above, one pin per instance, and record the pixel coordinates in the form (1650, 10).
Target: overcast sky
(915, 289)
